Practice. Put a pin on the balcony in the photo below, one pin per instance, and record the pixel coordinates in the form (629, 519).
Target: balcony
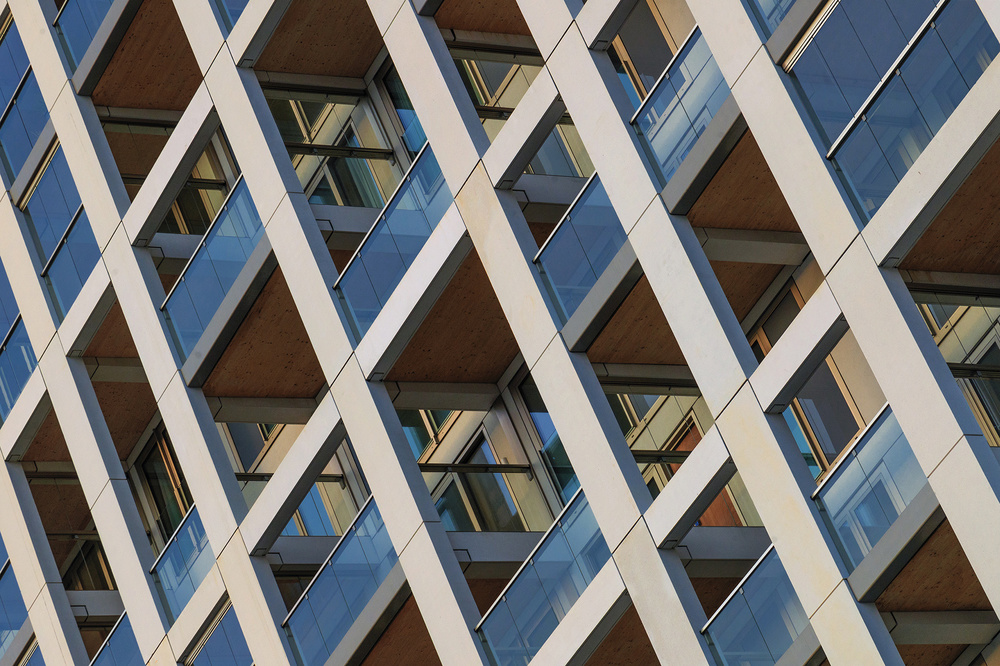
(214, 267)
(680, 106)
(17, 362)
(76, 24)
(864, 493)
(759, 620)
(393, 242)
(120, 647)
(341, 589)
(895, 119)
(72, 262)
(183, 564)
(580, 247)
(549, 582)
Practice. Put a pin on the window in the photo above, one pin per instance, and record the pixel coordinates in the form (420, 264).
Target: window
(551, 447)
(424, 427)
(24, 111)
(835, 402)
(164, 492)
(337, 147)
(205, 191)
(409, 127)
(61, 231)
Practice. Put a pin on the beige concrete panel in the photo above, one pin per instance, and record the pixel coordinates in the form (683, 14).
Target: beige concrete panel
(438, 95)
(202, 455)
(451, 618)
(259, 607)
(664, 598)
(499, 244)
(203, 32)
(23, 267)
(548, 21)
(853, 633)
(55, 627)
(603, 124)
(191, 624)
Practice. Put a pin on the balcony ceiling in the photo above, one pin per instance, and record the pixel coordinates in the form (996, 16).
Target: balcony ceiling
(499, 16)
(270, 356)
(938, 578)
(638, 332)
(743, 195)
(154, 66)
(465, 336)
(322, 37)
(965, 235)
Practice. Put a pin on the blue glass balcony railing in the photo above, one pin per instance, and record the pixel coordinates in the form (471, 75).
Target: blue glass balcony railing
(341, 589)
(864, 493)
(547, 585)
(225, 647)
(72, 262)
(759, 620)
(580, 247)
(17, 362)
(205, 281)
(393, 242)
(119, 647)
(770, 12)
(21, 124)
(76, 24)
(183, 564)
(680, 106)
(912, 102)
(12, 610)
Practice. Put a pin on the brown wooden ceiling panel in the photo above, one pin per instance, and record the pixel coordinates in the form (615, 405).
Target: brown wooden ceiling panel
(938, 578)
(713, 591)
(128, 408)
(154, 66)
(743, 195)
(405, 642)
(502, 16)
(112, 339)
(270, 356)
(638, 332)
(48, 444)
(627, 644)
(965, 236)
(930, 655)
(62, 508)
(464, 338)
(135, 152)
(322, 37)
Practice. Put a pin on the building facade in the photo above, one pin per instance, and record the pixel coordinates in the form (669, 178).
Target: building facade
(500, 332)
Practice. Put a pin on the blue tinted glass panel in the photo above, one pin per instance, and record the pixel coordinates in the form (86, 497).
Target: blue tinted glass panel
(12, 610)
(226, 646)
(72, 264)
(77, 24)
(182, 566)
(393, 243)
(121, 648)
(22, 126)
(217, 263)
(17, 362)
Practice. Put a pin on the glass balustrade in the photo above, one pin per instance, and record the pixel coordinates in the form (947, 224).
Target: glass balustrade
(76, 25)
(183, 564)
(770, 12)
(865, 492)
(72, 263)
(21, 125)
(680, 106)
(17, 362)
(554, 576)
(580, 248)
(760, 620)
(226, 646)
(392, 244)
(342, 588)
(213, 269)
(913, 103)
(120, 648)
(12, 610)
